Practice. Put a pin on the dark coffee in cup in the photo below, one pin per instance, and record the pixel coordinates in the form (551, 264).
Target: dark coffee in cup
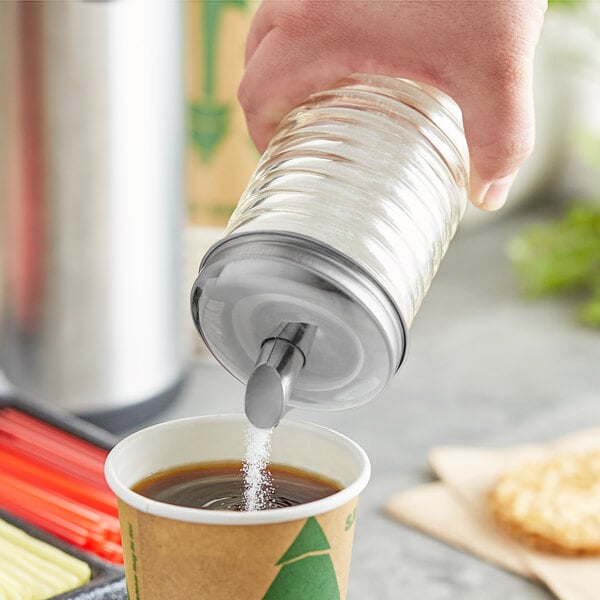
(220, 486)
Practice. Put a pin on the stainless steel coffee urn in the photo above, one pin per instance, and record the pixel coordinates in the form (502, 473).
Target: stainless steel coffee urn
(91, 145)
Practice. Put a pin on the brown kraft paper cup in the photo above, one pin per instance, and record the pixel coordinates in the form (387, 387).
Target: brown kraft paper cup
(177, 553)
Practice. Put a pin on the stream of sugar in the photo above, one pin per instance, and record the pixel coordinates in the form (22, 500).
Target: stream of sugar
(258, 485)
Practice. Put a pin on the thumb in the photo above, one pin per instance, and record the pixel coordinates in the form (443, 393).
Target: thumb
(500, 129)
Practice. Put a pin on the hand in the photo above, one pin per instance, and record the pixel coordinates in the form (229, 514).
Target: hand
(478, 52)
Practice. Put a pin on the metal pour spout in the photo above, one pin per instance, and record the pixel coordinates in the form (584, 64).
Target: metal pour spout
(282, 356)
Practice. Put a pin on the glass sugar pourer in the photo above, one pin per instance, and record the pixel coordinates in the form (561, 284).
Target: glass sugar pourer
(309, 295)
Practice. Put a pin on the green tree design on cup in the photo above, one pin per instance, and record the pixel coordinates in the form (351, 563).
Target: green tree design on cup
(298, 552)
(307, 571)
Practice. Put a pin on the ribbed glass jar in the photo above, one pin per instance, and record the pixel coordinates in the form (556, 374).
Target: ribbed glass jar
(342, 228)
(376, 168)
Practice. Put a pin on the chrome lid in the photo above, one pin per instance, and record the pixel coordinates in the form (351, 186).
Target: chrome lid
(251, 283)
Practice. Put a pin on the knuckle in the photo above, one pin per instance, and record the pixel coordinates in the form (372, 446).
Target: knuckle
(244, 97)
(509, 71)
(294, 20)
(506, 154)
(298, 19)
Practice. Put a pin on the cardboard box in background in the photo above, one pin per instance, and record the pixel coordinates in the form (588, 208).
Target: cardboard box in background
(220, 156)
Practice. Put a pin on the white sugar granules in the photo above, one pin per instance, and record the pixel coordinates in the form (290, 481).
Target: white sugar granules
(258, 485)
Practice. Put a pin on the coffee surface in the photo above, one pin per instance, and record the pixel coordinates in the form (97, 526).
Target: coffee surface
(220, 486)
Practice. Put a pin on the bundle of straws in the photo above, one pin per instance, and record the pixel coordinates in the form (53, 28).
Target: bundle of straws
(55, 481)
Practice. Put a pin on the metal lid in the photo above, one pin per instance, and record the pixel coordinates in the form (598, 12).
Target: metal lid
(248, 284)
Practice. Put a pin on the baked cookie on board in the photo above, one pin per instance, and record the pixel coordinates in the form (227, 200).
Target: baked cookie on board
(552, 505)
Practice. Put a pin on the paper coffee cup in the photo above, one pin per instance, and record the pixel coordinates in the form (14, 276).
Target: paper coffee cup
(294, 553)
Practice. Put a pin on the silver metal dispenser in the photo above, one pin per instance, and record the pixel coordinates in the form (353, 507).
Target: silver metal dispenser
(334, 244)
(282, 357)
(352, 339)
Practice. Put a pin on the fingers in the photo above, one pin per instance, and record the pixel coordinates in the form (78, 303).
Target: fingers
(500, 129)
(296, 47)
(493, 196)
(270, 87)
(492, 82)
(279, 75)
(262, 23)
(481, 54)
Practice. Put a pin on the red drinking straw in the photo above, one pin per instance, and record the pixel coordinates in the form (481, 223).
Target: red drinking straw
(75, 472)
(65, 530)
(53, 449)
(55, 481)
(111, 551)
(11, 463)
(54, 433)
(106, 526)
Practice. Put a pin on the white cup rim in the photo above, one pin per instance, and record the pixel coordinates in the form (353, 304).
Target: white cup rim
(215, 517)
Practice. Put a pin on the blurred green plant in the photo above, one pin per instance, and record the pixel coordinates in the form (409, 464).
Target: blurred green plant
(563, 257)
(565, 3)
(587, 146)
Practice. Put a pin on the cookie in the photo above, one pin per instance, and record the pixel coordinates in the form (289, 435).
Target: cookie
(552, 505)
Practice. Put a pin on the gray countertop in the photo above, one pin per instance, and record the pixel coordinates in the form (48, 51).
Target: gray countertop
(485, 367)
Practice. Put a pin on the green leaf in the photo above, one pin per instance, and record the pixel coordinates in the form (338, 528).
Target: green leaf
(562, 256)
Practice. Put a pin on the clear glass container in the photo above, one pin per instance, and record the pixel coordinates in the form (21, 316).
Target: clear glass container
(342, 226)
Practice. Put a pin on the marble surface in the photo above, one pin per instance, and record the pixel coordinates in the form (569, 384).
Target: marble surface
(485, 367)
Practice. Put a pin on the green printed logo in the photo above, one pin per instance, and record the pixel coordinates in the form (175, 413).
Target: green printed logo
(350, 520)
(134, 565)
(208, 117)
(306, 572)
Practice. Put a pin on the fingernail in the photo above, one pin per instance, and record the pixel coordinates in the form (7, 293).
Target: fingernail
(477, 188)
(497, 193)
